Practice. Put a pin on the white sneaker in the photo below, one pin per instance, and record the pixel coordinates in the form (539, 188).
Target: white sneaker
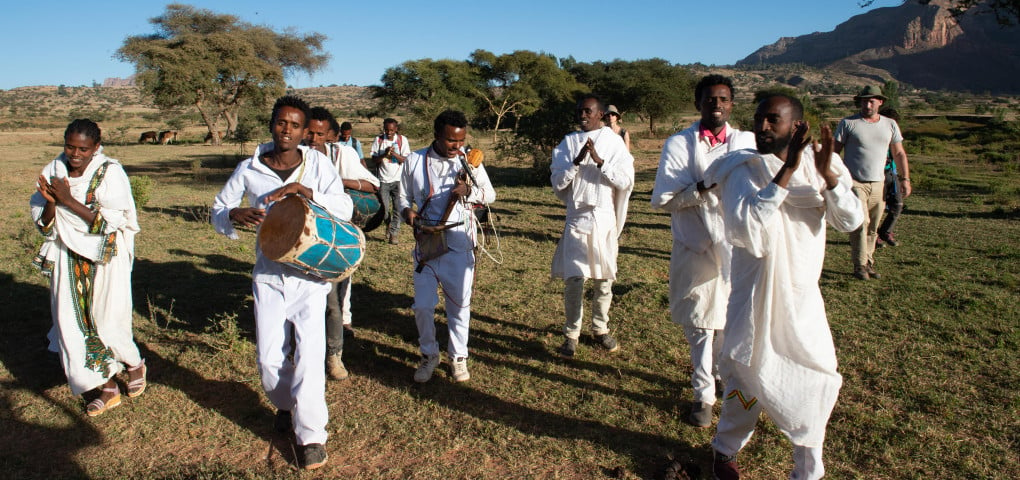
(427, 365)
(460, 371)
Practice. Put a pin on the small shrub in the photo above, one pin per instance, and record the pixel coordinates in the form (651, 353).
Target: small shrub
(141, 189)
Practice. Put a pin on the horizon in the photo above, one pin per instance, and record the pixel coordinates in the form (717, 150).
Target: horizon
(633, 34)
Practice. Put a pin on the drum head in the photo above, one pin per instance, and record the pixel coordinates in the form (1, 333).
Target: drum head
(379, 216)
(282, 227)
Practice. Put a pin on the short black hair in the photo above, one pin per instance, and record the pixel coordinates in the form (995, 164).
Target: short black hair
(453, 118)
(293, 102)
(323, 115)
(711, 81)
(592, 96)
(85, 127)
(390, 120)
(798, 107)
(346, 126)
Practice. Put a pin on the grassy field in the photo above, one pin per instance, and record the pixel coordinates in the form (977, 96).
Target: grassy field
(929, 353)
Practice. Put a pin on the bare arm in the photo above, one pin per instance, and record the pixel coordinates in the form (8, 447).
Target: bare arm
(902, 167)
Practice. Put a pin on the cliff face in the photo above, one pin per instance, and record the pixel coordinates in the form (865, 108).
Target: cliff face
(922, 45)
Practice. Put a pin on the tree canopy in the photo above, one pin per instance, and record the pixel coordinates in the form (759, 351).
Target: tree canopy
(216, 63)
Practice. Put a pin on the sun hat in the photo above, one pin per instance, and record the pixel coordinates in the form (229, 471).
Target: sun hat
(612, 110)
(870, 91)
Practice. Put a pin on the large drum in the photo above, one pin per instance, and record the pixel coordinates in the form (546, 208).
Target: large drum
(369, 211)
(302, 234)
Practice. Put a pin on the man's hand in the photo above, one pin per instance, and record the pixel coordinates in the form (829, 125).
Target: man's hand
(460, 187)
(798, 141)
(823, 157)
(288, 189)
(584, 151)
(247, 217)
(702, 188)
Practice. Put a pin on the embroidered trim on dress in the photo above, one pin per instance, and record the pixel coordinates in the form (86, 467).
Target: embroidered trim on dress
(83, 274)
(747, 404)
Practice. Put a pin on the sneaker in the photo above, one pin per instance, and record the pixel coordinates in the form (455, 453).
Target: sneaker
(335, 367)
(725, 467)
(568, 348)
(860, 273)
(393, 239)
(888, 237)
(878, 242)
(313, 456)
(870, 268)
(701, 415)
(459, 369)
(607, 341)
(427, 365)
(283, 422)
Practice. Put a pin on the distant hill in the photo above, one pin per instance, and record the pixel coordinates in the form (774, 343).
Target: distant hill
(921, 45)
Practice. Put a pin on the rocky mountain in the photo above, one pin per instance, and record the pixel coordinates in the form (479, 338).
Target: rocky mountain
(921, 45)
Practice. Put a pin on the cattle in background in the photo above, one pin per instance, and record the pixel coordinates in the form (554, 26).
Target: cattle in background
(209, 137)
(149, 136)
(167, 136)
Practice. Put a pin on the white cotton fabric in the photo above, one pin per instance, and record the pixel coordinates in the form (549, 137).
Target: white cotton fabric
(596, 201)
(777, 344)
(699, 264)
(390, 170)
(425, 172)
(253, 180)
(111, 294)
(348, 164)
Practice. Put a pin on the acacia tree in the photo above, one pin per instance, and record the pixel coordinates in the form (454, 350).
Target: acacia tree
(426, 87)
(516, 85)
(652, 89)
(216, 63)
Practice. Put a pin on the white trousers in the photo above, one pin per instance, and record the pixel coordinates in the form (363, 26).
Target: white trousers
(736, 425)
(573, 306)
(454, 272)
(705, 344)
(295, 308)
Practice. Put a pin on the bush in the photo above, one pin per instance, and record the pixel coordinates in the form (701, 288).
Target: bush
(141, 189)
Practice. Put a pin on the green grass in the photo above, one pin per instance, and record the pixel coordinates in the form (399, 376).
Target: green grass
(929, 353)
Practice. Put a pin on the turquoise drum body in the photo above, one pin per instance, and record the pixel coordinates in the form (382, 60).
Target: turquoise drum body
(304, 235)
(368, 209)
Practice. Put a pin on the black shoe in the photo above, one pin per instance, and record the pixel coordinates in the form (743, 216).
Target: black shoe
(568, 348)
(607, 341)
(283, 422)
(888, 238)
(701, 415)
(725, 468)
(861, 273)
(313, 456)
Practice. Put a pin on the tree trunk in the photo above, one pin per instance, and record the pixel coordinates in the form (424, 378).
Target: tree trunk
(211, 121)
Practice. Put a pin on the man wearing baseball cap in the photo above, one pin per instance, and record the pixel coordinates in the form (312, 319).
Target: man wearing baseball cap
(868, 137)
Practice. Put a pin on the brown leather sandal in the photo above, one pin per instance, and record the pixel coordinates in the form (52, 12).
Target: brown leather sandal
(137, 386)
(98, 407)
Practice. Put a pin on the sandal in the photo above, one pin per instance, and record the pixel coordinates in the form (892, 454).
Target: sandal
(137, 386)
(98, 407)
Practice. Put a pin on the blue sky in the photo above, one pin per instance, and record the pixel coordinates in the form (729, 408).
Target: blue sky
(72, 43)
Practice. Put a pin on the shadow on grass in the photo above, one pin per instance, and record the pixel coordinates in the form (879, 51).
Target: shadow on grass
(498, 344)
(187, 294)
(30, 450)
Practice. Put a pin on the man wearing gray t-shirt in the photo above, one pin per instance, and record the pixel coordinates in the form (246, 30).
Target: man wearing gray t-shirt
(868, 137)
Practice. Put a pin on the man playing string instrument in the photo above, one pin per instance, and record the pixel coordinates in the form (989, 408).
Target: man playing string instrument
(443, 187)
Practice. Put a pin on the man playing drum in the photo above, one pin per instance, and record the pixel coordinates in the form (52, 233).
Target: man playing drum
(289, 305)
(355, 176)
(442, 186)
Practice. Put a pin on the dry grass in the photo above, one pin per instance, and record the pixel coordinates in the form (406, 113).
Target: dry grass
(929, 353)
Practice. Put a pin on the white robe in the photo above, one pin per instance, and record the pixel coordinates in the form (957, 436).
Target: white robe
(109, 244)
(596, 201)
(348, 164)
(777, 340)
(699, 284)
